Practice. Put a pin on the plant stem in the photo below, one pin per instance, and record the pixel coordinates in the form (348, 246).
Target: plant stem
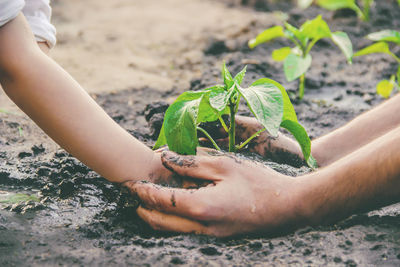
(209, 137)
(223, 124)
(367, 7)
(398, 75)
(301, 86)
(232, 129)
(296, 43)
(251, 138)
(311, 45)
(395, 57)
(237, 103)
(359, 12)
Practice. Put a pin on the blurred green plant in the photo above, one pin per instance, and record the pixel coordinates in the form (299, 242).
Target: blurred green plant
(298, 60)
(381, 45)
(266, 99)
(13, 198)
(305, 3)
(362, 10)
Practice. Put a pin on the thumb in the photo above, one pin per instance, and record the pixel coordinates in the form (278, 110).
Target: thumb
(198, 167)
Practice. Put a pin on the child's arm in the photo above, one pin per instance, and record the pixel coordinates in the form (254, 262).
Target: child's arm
(56, 102)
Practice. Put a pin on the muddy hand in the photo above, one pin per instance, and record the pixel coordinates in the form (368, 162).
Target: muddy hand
(264, 145)
(242, 197)
(162, 175)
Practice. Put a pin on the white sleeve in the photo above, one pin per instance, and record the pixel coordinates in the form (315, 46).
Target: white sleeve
(38, 14)
(9, 9)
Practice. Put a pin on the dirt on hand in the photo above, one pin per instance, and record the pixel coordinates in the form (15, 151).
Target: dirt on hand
(130, 54)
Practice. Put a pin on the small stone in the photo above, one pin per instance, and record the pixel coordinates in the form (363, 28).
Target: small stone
(37, 149)
(255, 245)
(337, 259)
(24, 154)
(177, 261)
(210, 251)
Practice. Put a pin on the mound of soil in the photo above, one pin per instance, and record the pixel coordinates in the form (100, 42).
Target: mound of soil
(81, 219)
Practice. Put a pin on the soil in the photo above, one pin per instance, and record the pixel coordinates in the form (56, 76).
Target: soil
(83, 220)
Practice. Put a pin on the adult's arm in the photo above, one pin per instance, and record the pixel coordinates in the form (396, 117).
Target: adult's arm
(336, 144)
(57, 103)
(246, 197)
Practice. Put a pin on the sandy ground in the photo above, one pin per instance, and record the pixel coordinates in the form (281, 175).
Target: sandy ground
(120, 44)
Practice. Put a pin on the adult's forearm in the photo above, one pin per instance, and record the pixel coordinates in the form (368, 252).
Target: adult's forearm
(57, 103)
(363, 180)
(357, 133)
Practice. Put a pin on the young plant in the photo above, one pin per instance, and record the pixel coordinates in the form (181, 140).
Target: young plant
(363, 11)
(298, 60)
(266, 99)
(381, 45)
(303, 4)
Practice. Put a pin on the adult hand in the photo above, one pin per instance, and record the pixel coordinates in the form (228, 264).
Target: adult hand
(241, 197)
(279, 149)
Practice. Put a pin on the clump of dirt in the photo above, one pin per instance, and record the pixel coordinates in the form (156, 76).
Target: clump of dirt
(81, 219)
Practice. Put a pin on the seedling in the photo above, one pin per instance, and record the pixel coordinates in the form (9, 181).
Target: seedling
(305, 3)
(298, 60)
(13, 198)
(363, 11)
(266, 99)
(381, 45)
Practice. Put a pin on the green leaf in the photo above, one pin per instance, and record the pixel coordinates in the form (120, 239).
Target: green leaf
(292, 32)
(218, 98)
(206, 112)
(305, 3)
(316, 28)
(295, 66)
(267, 35)
(342, 40)
(180, 123)
(337, 4)
(288, 110)
(227, 77)
(385, 88)
(386, 35)
(161, 140)
(14, 198)
(240, 76)
(341, 4)
(312, 162)
(213, 104)
(301, 136)
(281, 54)
(380, 47)
(266, 103)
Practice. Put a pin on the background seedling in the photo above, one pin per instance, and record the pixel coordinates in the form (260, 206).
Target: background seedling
(13, 198)
(298, 60)
(305, 3)
(266, 99)
(381, 45)
(363, 10)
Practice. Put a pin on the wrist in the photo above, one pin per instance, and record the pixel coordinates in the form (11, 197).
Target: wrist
(157, 172)
(314, 197)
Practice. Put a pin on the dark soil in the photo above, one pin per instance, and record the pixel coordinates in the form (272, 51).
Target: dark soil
(83, 220)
